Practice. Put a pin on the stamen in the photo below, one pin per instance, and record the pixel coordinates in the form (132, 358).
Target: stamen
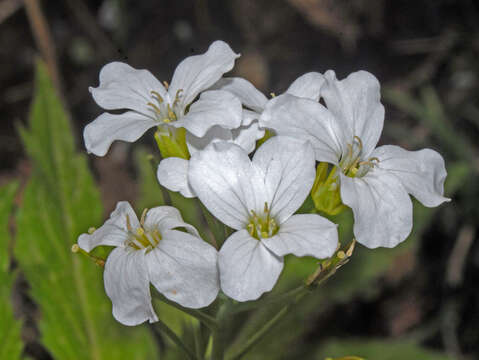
(171, 114)
(91, 230)
(166, 85)
(97, 260)
(177, 97)
(157, 95)
(155, 108)
(250, 228)
(358, 139)
(128, 224)
(143, 215)
(266, 207)
(273, 95)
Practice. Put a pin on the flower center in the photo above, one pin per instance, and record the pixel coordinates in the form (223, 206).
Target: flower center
(164, 111)
(351, 164)
(262, 226)
(140, 238)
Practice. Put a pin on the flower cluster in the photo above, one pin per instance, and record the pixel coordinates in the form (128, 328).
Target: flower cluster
(207, 128)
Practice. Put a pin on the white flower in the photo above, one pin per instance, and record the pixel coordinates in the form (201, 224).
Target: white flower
(150, 104)
(306, 86)
(180, 265)
(374, 182)
(173, 171)
(258, 199)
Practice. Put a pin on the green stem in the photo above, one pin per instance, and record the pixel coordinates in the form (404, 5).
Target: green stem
(218, 350)
(171, 334)
(253, 340)
(206, 319)
(198, 340)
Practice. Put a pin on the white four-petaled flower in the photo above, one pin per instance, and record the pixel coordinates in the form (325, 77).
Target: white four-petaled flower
(179, 264)
(150, 104)
(172, 172)
(258, 199)
(374, 182)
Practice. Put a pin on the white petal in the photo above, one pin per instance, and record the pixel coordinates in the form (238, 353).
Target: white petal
(214, 107)
(114, 230)
(216, 133)
(381, 206)
(245, 91)
(288, 168)
(246, 136)
(306, 120)
(307, 86)
(106, 128)
(355, 103)
(247, 267)
(197, 73)
(172, 173)
(127, 286)
(225, 181)
(249, 116)
(166, 218)
(305, 235)
(184, 269)
(123, 87)
(421, 172)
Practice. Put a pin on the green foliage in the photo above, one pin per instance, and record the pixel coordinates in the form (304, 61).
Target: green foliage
(10, 342)
(60, 202)
(377, 349)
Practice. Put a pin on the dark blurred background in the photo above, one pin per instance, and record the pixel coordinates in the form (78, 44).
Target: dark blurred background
(425, 54)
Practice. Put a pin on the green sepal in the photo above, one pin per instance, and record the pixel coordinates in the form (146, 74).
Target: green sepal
(325, 192)
(172, 142)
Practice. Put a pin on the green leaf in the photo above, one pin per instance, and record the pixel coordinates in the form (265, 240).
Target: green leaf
(11, 344)
(377, 349)
(61, 202)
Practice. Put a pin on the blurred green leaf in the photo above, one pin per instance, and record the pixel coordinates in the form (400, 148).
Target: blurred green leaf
(11, 345)
(60, 202)
(377, 349)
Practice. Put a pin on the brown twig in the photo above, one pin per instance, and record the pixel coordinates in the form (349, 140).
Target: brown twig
(457, 260)
(8, 8)
(43, 38)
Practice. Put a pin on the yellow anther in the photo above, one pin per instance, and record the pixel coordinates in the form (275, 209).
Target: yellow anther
(166, 85)
(264, 234)
(373, 159)
(143, 215)
(166, 120)
(95, 259)
(128, 224)
(177, 97)
(250, 229)
(157, 95)
(272, 94)
(91, 230)
(155, 108)
(171, 114)
(359, 141)
(140, 232)
(341, 254)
